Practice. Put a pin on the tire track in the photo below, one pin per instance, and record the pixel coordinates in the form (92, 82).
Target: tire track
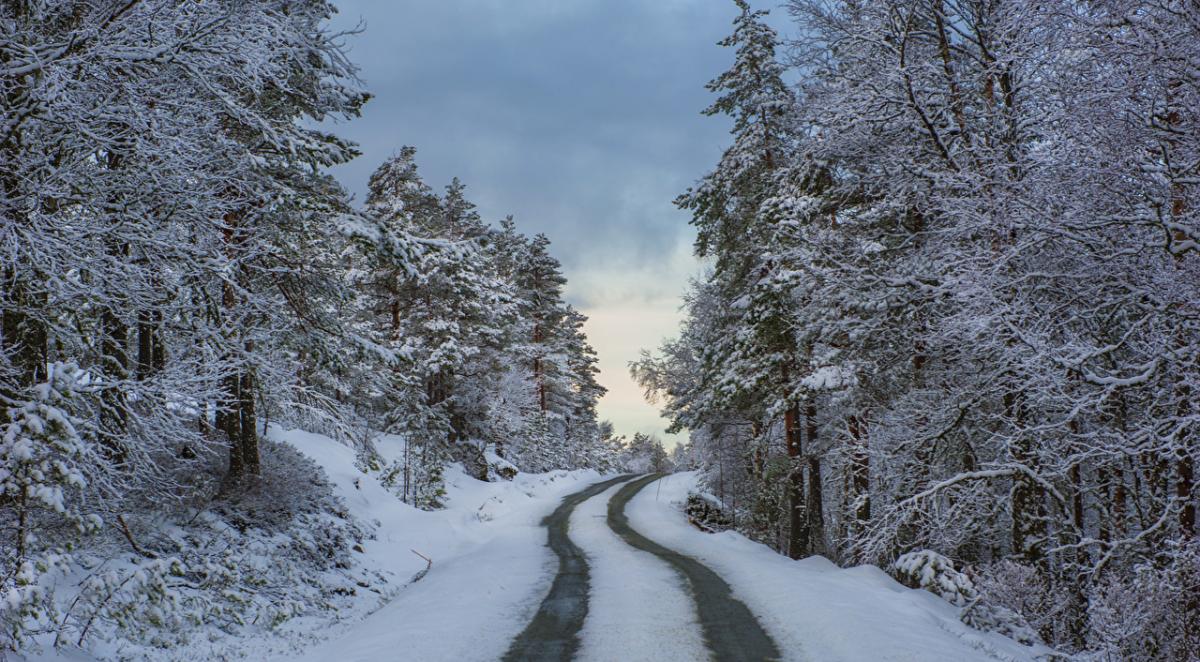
(639, 608)
(731, 631)
(553, 634)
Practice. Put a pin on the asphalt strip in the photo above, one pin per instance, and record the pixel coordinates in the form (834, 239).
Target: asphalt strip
(553, 634)
(731, 631)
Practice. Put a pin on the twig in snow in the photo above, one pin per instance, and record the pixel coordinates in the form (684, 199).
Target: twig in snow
(428, 565)
(129, 536)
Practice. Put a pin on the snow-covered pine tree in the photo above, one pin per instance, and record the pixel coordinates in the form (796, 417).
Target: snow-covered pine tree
(447, 317)
(739, 226)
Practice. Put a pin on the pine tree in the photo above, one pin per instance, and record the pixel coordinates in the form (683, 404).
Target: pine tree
(736, 218)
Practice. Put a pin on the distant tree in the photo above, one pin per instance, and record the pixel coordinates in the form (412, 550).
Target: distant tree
(646, 454)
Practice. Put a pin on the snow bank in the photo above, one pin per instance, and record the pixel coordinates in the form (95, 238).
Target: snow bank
(491, 567)
(814, 610)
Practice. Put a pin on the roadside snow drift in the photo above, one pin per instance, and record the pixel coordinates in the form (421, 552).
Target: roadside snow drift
(491, 567)
(816, 611)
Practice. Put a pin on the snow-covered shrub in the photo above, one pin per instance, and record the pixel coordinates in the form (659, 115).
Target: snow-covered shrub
(41, 453)
(141, 599)
(928, 570)
(172, 580)
(707, 512)
(1152, 613)
(26, 607)
(41, 458)
(1029, 592)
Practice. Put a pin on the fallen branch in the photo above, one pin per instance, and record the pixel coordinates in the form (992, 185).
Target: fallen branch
(129, 536)
(428, 565)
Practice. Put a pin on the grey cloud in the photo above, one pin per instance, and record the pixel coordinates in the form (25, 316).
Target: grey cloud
(580, 117)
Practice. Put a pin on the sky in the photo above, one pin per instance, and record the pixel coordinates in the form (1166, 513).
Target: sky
(581, 118)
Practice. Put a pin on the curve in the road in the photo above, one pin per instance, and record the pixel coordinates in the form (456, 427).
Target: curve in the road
(553, 635)
(730, 629)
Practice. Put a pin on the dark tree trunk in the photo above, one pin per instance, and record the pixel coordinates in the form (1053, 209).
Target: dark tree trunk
(151, 355)
(230, 418)
(815, 516)
(860, 468)
(1027, 498)
(114, 412)
(24, 338)
(1185, 469)
(798, 538)
(538, 376)
(240, 425)
(1185, 483)
(1027, 534)
(249, 423)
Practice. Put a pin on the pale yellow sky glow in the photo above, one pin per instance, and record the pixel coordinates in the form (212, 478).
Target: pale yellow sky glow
(629, 309)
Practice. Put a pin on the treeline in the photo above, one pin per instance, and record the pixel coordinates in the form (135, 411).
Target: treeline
(465, 344)
(953, 307)
(176, 270)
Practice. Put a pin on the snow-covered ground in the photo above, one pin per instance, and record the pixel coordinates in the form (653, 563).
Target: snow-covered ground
(814, 610)
(491, 567)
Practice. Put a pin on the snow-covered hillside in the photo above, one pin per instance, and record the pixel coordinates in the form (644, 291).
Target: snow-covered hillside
(490, 565)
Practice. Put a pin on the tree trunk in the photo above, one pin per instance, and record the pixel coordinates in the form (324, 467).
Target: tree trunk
(815, 516)
(538, 376)
(230, 417)
(151, 356)
(1026, 499)
(1185, 469)
(23, 337)
(248, 438)
(238, 400)
(1185, 482)
(114, 411)
(798, 538)
(860, 469)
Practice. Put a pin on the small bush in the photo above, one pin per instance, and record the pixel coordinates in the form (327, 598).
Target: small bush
(707, 513)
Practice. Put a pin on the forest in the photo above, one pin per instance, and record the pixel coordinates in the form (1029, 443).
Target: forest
(950, 322)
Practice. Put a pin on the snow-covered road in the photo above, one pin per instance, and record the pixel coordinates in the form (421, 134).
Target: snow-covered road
(638, 604)
(494, 570)
(731, 631)
(650, 603)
